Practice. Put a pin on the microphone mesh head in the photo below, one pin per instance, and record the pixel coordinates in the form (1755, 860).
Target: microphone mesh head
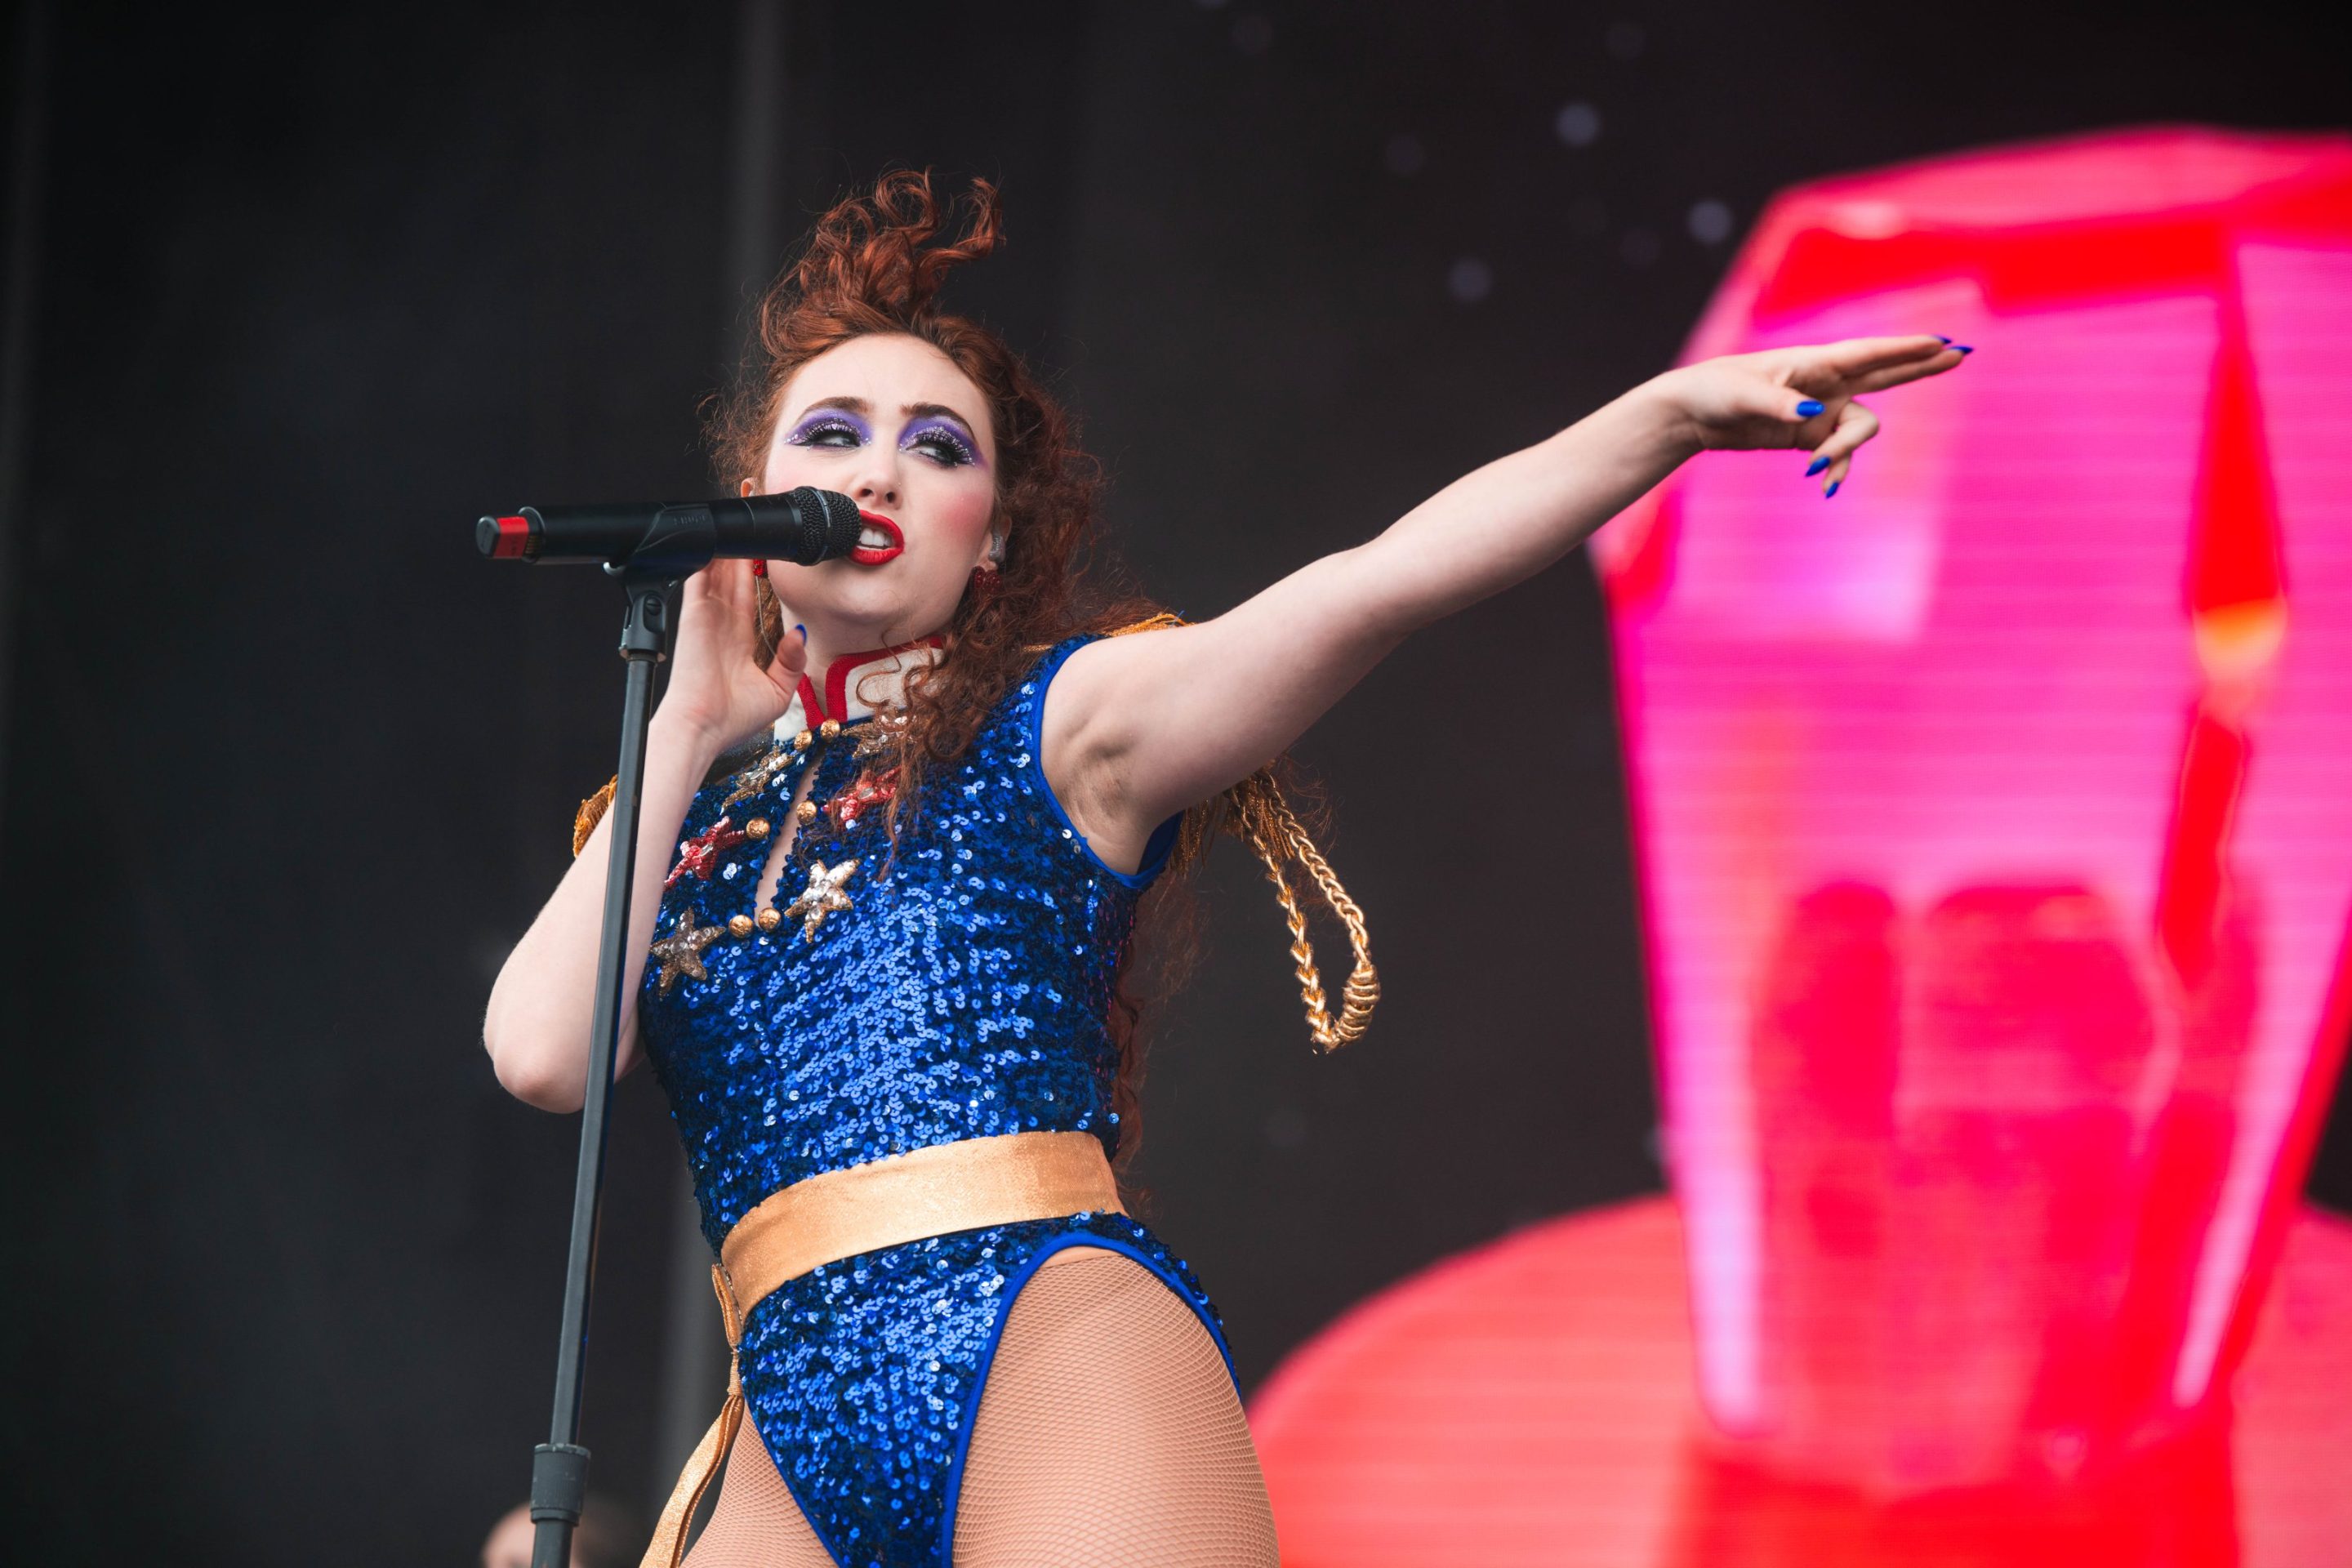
(841, 523)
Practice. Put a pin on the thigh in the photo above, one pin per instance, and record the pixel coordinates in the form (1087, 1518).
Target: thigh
(756, 1523)
(1108, 1433)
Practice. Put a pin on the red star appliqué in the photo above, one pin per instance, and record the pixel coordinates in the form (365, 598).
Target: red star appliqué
(700, 853)
(868, 791)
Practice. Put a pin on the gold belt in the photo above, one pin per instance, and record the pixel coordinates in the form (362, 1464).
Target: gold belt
(936, 1191)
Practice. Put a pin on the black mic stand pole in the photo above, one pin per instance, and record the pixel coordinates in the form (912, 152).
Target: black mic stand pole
(558, 1471)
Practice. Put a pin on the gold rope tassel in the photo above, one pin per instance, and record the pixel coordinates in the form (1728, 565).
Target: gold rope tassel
(1257, 814)
(668, 1546)
(1255, 811)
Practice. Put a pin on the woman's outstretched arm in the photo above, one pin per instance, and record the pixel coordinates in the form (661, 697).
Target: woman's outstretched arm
(1138, 728)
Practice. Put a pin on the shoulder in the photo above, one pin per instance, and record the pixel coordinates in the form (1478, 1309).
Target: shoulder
(1028, 686)
(1091, 675)
(1048, 664)
(1098, 655)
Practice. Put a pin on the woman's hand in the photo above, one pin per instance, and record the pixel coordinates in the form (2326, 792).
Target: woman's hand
(718, 691)
(1801, 397)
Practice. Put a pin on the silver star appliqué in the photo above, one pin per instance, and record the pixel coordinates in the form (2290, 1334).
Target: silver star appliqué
(680, 952)
(821, 897)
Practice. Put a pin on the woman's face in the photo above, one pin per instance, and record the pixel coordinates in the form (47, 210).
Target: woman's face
(890, 422)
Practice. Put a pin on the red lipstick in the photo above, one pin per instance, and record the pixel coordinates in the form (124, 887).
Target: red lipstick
(874, 554)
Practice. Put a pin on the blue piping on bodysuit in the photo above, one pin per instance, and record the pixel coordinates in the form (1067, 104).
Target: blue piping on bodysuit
(988, 1362)
(1163, 838)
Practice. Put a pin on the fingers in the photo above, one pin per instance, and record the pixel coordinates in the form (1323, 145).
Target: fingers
(731, 583)
(1936, 363)
(1759, 397)
(1858, 357)
(786, 666)
(725, 584)
(1833, 458)
(1859, 366)
(792, 659)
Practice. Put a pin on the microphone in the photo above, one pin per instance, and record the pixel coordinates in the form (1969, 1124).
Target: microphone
(804, 526)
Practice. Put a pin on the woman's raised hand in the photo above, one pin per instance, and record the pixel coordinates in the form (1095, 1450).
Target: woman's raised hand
(717, 691)
(1802, 397)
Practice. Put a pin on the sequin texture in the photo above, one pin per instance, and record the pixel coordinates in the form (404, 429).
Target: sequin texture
(964, 993)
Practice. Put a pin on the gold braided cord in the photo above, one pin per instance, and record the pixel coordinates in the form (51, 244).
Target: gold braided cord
(1256, 812)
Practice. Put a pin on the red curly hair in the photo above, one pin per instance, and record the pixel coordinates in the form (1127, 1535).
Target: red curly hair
(875, 264)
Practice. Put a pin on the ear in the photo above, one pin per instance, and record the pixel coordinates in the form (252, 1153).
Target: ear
(746, 490)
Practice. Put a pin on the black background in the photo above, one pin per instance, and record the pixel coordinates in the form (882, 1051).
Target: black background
(287, 768)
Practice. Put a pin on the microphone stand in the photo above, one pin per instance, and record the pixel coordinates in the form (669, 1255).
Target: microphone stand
(558, 1471)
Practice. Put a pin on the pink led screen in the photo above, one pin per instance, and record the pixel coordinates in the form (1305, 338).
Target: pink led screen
(1993, 822)
(1995, 829)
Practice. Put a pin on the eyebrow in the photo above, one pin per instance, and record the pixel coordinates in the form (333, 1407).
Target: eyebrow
(934, 411)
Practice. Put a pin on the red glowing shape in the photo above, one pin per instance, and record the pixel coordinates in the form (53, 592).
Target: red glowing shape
(1531, 1404)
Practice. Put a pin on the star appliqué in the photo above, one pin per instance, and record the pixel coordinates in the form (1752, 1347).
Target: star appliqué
(868, 791)
(821, 897)
(680, 952)
(756, 778)
(701, 852)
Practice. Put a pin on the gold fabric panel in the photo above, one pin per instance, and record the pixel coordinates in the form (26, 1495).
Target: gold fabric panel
(936, 1191)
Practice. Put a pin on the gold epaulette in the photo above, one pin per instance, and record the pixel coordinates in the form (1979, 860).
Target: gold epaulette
(592, 812)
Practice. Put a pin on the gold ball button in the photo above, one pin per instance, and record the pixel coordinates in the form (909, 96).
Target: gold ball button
(801, 741)
(769, 918)
(756, 828)
(829, 728)
(806, 811)
(740, 925)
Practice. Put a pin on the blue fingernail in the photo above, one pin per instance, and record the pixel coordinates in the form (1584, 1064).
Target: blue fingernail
(1818, 465)
(1962, 349)
(1832, 490)
(1942, 339)
(1808, 408)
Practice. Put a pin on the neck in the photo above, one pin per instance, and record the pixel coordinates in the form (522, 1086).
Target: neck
(833, 634)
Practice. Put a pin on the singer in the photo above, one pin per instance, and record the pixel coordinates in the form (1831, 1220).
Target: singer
(922, 797)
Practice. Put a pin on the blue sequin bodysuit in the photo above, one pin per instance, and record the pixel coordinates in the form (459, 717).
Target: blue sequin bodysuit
(965, 993)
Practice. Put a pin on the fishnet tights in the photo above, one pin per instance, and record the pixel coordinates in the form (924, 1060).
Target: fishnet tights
(1109, 1436)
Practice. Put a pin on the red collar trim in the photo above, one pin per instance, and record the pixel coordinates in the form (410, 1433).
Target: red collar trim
(836, 704)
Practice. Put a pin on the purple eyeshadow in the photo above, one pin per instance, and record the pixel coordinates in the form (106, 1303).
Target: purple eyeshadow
(819, 419)
(951, 429)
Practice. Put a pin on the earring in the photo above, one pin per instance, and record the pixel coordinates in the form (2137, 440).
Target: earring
(759, 567)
